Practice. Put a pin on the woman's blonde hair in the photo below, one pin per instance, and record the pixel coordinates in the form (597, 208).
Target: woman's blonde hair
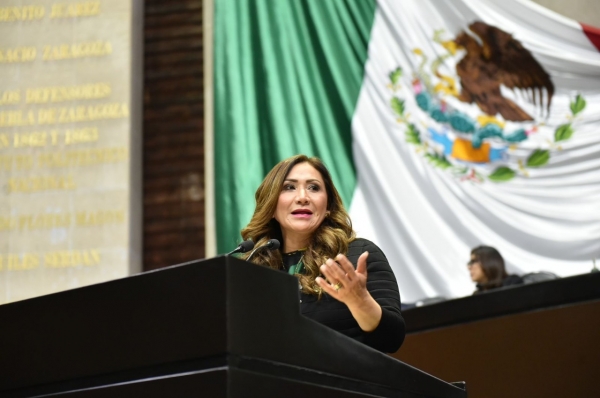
(331, 237)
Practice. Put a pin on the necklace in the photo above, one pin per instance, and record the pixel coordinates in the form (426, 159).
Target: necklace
(296, 268)
(294, 252)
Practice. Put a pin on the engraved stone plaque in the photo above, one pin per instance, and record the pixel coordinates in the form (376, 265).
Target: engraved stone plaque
(70, 200)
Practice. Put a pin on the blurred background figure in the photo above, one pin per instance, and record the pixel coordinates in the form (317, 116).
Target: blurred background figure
(487, 269)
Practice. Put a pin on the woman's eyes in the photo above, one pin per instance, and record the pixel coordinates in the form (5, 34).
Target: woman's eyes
(310, 187)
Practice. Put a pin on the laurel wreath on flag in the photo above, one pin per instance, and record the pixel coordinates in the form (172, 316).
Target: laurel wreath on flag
(484, 127)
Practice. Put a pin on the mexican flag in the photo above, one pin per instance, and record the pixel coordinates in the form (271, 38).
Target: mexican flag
(445, 125)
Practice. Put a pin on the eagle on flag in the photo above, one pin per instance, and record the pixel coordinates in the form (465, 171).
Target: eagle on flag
(494, 58)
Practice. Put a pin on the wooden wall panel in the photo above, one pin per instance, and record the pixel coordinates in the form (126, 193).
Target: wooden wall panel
(551, 352)
(173, 133)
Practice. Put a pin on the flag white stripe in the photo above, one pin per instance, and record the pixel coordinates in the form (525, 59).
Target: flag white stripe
(425, 219)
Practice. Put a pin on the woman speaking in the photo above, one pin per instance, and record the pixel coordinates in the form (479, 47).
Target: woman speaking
(346, 283)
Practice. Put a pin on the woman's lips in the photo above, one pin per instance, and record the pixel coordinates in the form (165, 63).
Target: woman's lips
(302, 213)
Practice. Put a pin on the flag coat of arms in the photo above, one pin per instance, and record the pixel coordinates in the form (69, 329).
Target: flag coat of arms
(445, 125)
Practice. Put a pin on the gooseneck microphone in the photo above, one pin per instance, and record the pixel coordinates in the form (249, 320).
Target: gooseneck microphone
(243, 247)
(272, 244)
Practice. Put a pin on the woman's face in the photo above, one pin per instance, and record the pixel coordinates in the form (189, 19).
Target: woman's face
(476, 270)
(302, 204)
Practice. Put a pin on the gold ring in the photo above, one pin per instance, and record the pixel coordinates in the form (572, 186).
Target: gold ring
(337, 286)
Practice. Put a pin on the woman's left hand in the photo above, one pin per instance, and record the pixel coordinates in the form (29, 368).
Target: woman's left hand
(344, 282)
(349, 286)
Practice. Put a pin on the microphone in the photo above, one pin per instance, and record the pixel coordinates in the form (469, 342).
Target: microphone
(243, 247)
(272, 244)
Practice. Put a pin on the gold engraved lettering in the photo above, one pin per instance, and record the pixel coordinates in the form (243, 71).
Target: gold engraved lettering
(10, 97)
(44, 221)
(72, 258)
(79, 50)
(30, 222)
(58, 10)
(81, 136)
(24, 162)
(7, 223)
(67, 93)
(35, 139)
(54, 135)
(89, 219)
(48, 116)
(83, 157)
(6, 163)
(74, 10)
(17, 55)
(82, 113)
(16, 118)
(4, 141)
(38, 184)
(23, 13)
(16, 162)
(24, 262)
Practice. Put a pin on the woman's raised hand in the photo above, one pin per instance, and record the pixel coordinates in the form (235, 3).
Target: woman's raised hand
(344, 282)
(349, 286)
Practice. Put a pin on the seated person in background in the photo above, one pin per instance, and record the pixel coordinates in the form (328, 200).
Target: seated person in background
(487, 270)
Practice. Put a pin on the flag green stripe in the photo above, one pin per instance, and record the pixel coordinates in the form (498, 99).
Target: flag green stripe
(287, 75)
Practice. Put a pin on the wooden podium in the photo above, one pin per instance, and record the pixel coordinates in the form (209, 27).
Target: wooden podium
(212, 328)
